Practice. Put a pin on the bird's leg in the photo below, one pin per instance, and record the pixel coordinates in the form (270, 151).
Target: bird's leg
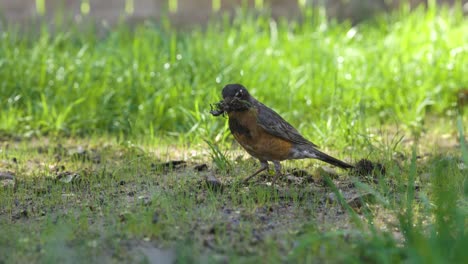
(277, 171)
(264, 166)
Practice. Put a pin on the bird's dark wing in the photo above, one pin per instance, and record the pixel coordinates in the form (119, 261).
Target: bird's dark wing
(274, 124)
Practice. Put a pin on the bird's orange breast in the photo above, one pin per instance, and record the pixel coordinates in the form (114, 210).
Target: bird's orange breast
(254, 139)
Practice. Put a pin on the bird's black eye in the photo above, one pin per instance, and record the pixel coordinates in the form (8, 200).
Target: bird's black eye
(239, 93)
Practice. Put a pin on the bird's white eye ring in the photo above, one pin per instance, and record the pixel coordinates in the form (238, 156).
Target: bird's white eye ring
(239, 93)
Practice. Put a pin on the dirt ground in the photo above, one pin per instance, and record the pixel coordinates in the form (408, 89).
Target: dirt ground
(122, 202)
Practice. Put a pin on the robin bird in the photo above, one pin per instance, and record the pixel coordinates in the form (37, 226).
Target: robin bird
(264, 134)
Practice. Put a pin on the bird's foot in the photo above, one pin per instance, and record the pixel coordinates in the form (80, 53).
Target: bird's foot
(277, 172)
(275, 178)
(264, 166)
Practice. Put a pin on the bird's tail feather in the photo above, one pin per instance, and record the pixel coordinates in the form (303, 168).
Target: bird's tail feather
(317, 154)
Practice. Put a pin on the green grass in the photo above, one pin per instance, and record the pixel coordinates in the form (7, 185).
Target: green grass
(152, 81)
(134, 98)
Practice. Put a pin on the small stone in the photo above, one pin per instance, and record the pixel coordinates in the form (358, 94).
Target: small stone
(6, 175)
(144, 199)
(213, 183)
(7, 179)
(359, 200)
(68, 177)
(331, 197)
(293, 179)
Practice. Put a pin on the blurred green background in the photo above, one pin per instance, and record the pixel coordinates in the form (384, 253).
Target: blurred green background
(149, 80)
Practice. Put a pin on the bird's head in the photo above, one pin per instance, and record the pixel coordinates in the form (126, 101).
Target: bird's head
(235, 98)
(235, 91)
